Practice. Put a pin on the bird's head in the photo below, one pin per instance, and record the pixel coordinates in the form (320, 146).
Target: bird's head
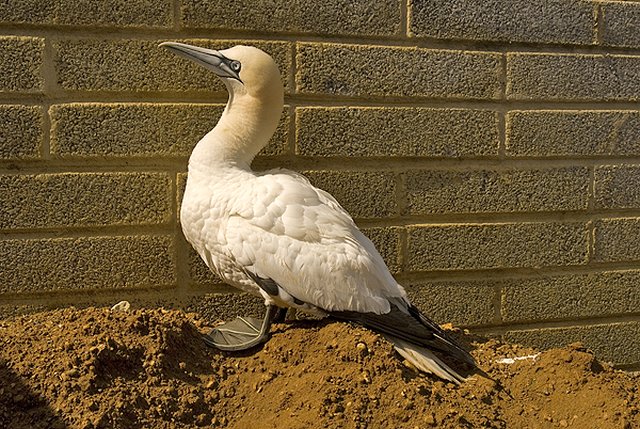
(243, 69)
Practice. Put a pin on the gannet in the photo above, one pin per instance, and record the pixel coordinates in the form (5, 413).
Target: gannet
(275, 235)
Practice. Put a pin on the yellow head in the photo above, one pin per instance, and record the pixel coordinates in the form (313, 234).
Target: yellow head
(245, 70)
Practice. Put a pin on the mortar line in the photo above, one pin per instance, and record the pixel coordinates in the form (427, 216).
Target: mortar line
(294, 69)
(629, 367)
(89, 297)
(56, 298)
(599, 24)
(573, 322)
(497, 303)
(158, 33)
(71, 232)
(503, 218)
(178, 252)
(320, 100)
(403, 251)
(401, 198)
(502, 136)
(159, 164)
(442, 220)
(521, 273)
(590, 241)
(317, 100)
(177, 15)
(405, 19)
(198, 289)
(49, 78)
(591, 207)
(502, 151)
(408, 164)
(292, 138)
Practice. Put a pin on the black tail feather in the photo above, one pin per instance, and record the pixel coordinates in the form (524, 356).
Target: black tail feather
(409, 325)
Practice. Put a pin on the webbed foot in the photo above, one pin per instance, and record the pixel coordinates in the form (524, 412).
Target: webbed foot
(242, 333)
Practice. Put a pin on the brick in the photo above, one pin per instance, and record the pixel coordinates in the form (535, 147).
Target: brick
(477, 191)
(616, 240)
(621, 24)
(572, 133)
(343, 17)
(198, 270)
(387, 241)
(467, 303)
(531, 21)
(21, 64)
(533, 76)
(495, 246)
(617, 186)
(362, 194)
(215, 307)
(615, 342)
(364, 71)
(570, 296)
(371, 132)
(627, 131)
(21, 134)
(142, 66)
(86, 263)
(116, 130)
(84, 199)
(118, 13)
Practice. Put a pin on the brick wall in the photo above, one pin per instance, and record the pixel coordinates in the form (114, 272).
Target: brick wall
(490, 148)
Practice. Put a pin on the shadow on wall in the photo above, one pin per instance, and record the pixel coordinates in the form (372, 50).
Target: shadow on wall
(21, 407)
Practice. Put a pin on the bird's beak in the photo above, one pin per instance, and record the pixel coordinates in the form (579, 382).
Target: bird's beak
(208, 58)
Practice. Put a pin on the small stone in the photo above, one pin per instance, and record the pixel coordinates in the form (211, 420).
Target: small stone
(122, 306)
(72, 373)
(429, 419)
(363, 350)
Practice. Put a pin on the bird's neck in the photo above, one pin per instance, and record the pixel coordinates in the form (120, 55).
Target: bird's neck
(245, 127)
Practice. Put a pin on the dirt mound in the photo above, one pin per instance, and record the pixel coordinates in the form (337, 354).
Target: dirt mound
(96, 368)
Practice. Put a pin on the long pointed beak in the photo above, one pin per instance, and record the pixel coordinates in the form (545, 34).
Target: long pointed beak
(208, 58)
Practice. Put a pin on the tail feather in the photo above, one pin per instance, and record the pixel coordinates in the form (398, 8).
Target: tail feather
(425, 360)
(405, 322)
(415, 337)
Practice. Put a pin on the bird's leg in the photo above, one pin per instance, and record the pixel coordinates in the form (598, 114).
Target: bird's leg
(280, 315)
(242, 333)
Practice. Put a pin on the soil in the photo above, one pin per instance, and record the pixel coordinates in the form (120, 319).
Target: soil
(97, 368)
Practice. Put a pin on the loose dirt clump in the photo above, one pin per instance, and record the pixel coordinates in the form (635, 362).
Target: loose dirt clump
(96, 368)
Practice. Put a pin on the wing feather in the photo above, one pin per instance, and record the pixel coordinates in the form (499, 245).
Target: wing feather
(309, 245)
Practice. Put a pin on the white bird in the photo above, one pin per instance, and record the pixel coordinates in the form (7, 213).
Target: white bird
(276, 236)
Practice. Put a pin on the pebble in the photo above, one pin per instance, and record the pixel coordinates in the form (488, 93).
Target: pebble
(362, 349)
(430, 420)
(122, 306)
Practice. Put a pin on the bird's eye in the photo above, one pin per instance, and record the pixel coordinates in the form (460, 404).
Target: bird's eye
(235, 66)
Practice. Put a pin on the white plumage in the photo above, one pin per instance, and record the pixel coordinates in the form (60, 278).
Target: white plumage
(275, 235)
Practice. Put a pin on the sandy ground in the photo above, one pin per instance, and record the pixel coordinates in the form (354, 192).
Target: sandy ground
(95, 368)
